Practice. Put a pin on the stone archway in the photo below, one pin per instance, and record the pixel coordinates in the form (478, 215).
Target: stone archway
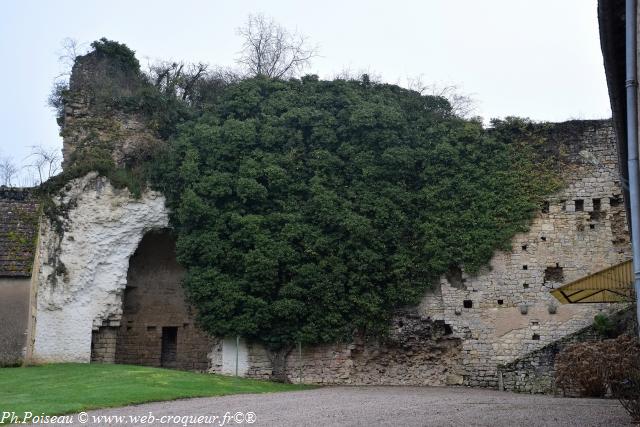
(157, 326)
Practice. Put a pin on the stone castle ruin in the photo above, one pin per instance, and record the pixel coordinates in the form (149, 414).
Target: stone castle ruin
(105, 284)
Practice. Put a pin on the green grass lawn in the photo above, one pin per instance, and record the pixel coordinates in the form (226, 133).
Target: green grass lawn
(71, 387)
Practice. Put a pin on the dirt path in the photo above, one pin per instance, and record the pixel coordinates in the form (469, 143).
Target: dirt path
(373, 406)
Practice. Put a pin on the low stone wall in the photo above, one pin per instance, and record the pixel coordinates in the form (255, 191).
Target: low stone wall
(418, 351)
(536, 372)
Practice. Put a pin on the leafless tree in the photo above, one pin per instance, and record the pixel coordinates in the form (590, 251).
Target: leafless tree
(177, 78)
(8, 171)
(45, 162)
(359, 75)
(271, 50)
(190, 83)
(462, 105)
(70, 49)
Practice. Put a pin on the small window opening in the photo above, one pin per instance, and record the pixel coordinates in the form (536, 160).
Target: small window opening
(615, 201)
(563, 205)
(596, 205)
(543, 238)
(545, 206)
(525, 267)
(500, 302)
(454, 277)
(151, 328)
(535, 337)
(447, 329)
(534, 323)
(525, 285)
(524, 247)
(579, 205)
(554, 274)
(592, 226)
(467, 303)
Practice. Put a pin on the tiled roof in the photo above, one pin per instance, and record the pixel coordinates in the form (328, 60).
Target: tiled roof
(18, 231)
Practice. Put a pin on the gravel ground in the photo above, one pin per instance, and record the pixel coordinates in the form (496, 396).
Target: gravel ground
(372, 406)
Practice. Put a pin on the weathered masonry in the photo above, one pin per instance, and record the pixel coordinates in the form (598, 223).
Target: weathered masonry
(106, 283)
(157, 326)
(507, 311)
(108, 287)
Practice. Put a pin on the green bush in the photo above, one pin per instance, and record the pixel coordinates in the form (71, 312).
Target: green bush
(308, 209)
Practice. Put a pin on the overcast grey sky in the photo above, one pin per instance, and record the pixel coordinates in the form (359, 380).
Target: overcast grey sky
(532, 58)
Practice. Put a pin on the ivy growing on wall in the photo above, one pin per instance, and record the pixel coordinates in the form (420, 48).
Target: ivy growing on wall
(309, 210)
(306, 210)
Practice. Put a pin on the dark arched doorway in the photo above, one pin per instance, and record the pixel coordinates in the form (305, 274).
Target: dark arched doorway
(157, 327)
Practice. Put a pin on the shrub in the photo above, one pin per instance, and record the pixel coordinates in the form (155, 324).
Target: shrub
(306, 210)
(604, 325)
(595, 368)
(624, 372)
(579, 368)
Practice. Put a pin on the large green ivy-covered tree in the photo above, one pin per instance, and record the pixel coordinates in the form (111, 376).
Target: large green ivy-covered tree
(306, 210)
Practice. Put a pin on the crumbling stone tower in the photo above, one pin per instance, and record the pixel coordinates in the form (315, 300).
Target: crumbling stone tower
(99, 115)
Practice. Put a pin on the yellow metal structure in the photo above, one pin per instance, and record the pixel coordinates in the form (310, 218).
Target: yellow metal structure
(613, 284)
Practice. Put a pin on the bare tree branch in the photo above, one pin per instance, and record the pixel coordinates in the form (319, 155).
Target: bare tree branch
(270, 50)
(45, 162)
(8, 171)
(462, 105)
(69, 51)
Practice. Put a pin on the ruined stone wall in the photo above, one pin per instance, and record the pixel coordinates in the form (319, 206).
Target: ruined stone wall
(153, 303)
(418, 351)
(506, 311)
(103, 344)
(536, 371)
(472, 324)
(90, 119)
(83, 258)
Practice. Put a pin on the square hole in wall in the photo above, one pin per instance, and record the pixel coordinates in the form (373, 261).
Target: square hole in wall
(554, 274)
(525, 285)
(579, 205)
(525, 267)
(545, 206)
(592, 226)
(544, 239)
(500, 302)
(467, 303)
(534, 323)
(596, 205)
(524, 247)
(535, 337)
(151, 328)
(615, 201)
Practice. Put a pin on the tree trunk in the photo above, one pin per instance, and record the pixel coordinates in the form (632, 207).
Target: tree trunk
(279, 364)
